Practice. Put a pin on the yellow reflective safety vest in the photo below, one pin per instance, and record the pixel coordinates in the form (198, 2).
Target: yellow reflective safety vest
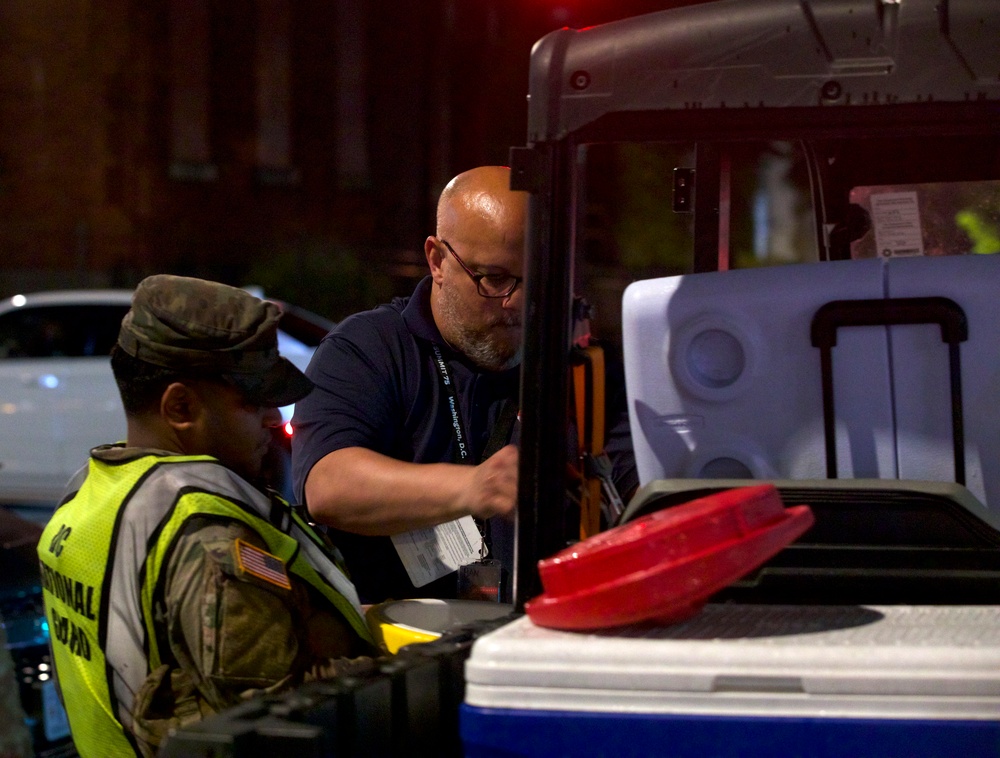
(101, 556)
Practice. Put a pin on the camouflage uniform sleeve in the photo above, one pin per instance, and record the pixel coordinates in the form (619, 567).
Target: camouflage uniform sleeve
(231, 634)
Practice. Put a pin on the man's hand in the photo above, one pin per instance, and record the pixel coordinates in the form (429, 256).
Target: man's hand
(493, 488)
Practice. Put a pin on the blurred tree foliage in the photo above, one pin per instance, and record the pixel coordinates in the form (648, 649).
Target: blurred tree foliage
(984, 235)
(324, 276)
(768, 176)
(649, 234)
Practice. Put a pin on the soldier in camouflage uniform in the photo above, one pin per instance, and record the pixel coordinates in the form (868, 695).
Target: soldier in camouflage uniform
(174, 587)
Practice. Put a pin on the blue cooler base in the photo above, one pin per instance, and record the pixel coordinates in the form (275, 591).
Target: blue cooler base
(510, 733)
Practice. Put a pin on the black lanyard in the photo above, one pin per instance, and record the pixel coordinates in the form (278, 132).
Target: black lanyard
(457, 427)
(501, 429)
(498, 437)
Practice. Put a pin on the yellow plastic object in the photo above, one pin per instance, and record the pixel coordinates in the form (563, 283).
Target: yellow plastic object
(389, 632)
(396, 623)
(395, 636)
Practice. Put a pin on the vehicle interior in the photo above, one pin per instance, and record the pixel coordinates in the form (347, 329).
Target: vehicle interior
(726, 230)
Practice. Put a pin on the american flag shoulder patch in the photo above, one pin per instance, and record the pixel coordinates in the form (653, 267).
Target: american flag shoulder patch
(256, 562)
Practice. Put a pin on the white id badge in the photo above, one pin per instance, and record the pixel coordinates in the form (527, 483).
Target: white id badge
(429, 554)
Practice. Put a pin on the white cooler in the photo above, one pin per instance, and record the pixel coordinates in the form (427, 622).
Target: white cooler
(743, 680)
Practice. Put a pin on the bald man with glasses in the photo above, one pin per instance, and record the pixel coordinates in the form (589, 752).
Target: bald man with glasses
(404, 446)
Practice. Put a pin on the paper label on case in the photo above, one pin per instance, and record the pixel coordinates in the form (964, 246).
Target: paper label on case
(896, 217)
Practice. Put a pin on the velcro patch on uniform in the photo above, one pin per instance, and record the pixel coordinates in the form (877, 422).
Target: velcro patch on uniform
(252, 560)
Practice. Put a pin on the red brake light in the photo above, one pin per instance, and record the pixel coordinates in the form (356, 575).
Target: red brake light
(288, 428)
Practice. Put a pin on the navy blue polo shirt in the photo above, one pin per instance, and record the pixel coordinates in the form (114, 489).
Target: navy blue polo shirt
(378, 387)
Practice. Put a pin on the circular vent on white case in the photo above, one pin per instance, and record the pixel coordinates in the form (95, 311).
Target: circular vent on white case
(713, 358)
(725, 467)
(728, 457)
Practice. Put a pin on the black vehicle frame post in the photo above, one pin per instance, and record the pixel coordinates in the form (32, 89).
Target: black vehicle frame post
(706, 207)
(545, 172)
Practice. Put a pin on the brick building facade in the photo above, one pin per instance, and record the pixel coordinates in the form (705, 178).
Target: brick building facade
(288, 143)
(207, 137)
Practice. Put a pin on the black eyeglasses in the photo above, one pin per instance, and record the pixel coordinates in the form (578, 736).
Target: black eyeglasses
(488, 285)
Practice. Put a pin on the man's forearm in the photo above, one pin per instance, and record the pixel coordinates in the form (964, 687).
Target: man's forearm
(361, 491)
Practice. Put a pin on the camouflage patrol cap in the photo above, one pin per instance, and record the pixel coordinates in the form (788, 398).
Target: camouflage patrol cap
(214, 330)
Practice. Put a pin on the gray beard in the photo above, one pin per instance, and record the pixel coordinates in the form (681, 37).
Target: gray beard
(481, 345)
(488, 354)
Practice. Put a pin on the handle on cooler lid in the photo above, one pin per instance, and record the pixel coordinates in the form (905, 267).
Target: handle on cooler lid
(942, 311)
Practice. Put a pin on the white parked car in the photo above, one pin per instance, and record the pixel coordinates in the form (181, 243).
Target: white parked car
(58, 397)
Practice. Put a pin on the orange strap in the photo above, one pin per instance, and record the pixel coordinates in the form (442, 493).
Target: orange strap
(588, 390)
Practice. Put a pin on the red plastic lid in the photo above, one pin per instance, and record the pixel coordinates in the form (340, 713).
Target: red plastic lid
(664, 566)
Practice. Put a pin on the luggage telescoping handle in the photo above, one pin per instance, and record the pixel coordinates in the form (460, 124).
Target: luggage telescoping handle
(891, 312)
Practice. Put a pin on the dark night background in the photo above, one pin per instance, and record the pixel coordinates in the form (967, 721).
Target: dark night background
(299, 145)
